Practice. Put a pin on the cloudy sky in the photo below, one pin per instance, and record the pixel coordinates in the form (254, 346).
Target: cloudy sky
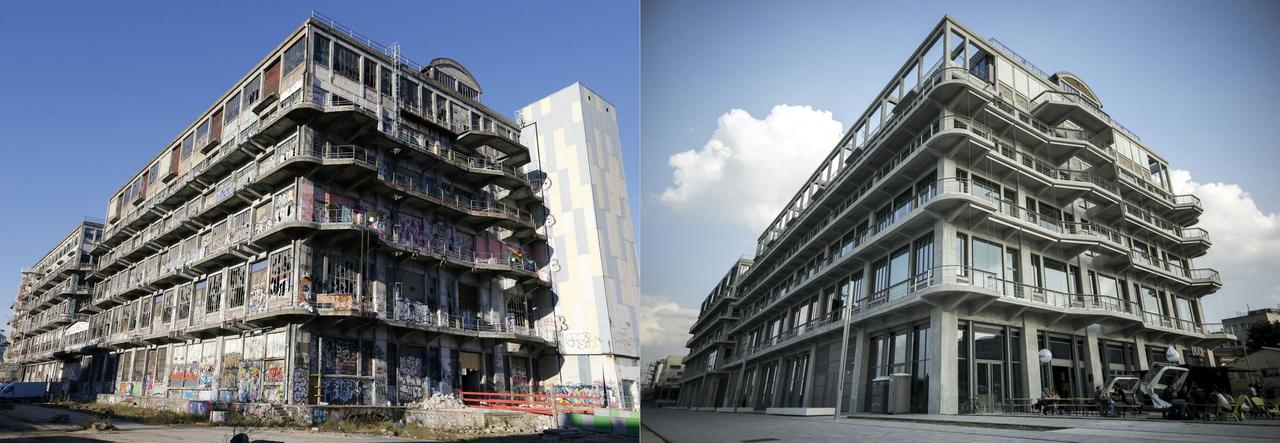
(740, 103)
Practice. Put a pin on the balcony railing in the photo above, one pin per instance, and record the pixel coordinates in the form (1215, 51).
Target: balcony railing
(1051, 96)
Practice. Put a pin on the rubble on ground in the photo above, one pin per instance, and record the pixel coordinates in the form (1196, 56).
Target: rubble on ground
(441, 402)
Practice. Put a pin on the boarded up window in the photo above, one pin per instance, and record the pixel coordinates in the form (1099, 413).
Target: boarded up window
(215, 134)
(271, 84)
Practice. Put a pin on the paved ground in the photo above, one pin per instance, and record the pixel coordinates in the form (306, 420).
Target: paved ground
(30, 423)
(676, 426)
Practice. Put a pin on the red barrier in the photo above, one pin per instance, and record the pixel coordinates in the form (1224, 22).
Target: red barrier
(545, 404)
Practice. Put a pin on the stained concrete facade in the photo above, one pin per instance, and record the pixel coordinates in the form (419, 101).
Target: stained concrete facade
(595, 276)
(344, 226)
(979, 211)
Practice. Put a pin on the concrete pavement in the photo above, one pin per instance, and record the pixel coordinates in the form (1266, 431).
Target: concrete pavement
(681, 426)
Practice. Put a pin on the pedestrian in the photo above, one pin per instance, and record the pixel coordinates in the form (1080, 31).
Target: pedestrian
(1102, 400)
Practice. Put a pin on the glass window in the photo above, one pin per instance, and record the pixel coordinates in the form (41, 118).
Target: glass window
(370, 73)
(188, 144)
(1055, 276)
(346, 62)
(321, 52)
(233, 108)
(922, 260)
(1151, 301)
(880, 277)
(899, 271)
(385, 80)
(987, 262)
(293, 55)
(962, 250)
(252, 90)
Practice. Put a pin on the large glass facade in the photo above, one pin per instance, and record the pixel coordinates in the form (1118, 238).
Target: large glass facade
(990, 367)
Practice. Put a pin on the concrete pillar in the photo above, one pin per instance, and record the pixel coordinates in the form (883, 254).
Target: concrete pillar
(1092, 356)
(943, 390)
(778, 367)
(1140, 347)
(808, 385)
(858, 370)
(1031, 354)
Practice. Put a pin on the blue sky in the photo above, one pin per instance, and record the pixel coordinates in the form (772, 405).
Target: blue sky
(95, 89)
(1196, 80)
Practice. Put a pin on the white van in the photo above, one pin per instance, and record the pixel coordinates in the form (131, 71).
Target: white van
(19, 390)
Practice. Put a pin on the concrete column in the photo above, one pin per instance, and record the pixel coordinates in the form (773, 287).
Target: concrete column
(777, 384)
(1092, 356)
(858, 370)
(1031, 354)
(808, 385)
(1140, 347)
(943, 390)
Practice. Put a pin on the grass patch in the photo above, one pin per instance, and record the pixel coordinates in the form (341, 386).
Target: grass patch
(135, 414)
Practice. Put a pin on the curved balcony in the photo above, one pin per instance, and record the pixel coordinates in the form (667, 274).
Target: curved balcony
(480, 170)
(1196, 282)
(307, 106)
(1065, 142)
(502, 141)
(420, 316)
(1186, 242)
(481, 213)
(1055, 106)
(905, 127)
(1063, 185)
(802, 333)
(943, 136)
(948, 198)
(950, 286)
(1073, 236)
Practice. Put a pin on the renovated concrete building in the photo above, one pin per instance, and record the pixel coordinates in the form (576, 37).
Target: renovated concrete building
(983, 232)
(594, 273)
(704, 382)
(344, 226)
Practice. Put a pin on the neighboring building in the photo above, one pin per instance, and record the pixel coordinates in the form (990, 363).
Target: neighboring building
(1262, 367)
(596, 282)
(1239, 326)
(665, 386)
(50, 312)
(705, 383)
(979, 211)
(341, 227)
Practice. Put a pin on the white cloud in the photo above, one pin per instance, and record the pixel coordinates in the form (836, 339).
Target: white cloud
(751, 167)
(1246, 245)
(664, 326)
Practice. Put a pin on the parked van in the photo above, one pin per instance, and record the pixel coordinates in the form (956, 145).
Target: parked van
(19, 390)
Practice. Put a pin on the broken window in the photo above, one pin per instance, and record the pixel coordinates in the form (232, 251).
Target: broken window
(293, 56)
(235, 285)
(321, 51)
(370, 74)
(252, 90)
(346, 62)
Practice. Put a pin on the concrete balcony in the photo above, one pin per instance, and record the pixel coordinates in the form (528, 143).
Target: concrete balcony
(957, 136)
(906, 127)
(1196, 282)
(1063, 186)
(517, 154)
(478, 171)
(948, 199)
(305, 106)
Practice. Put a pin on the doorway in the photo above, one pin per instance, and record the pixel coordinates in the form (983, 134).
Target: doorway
(1062, 381)
(989, 377)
